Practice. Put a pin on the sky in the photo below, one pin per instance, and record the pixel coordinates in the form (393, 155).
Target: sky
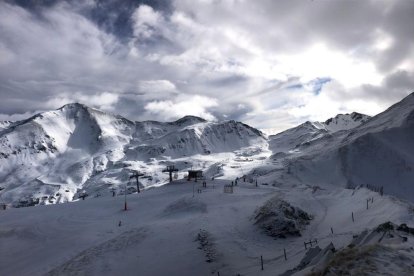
(271, 64)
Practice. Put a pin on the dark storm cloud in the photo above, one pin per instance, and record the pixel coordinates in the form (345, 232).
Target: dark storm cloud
(228, 81)
(33, 5)
(264, 62)
(394, 87)
(116, 18)
(113, 16)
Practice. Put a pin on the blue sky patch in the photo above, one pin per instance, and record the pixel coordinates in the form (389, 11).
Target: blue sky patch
(317, 84)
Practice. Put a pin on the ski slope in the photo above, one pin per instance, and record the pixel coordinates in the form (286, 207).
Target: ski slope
(158, 233)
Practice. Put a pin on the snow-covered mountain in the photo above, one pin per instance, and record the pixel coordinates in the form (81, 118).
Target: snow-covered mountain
(300, 209)
(345, 121)
(53, 156)
(378, 152)
(310, 131)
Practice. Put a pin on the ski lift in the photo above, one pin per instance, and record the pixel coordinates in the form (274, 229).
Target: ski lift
(82, 195)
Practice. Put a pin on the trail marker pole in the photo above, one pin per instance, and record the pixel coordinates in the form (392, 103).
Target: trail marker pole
(261, 260)
(125, 202)
(331, 230)
(353, 217)
(284, 252)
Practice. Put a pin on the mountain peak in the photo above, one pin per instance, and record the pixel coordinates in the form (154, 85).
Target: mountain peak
(354, 116)
(189, 119)
(73, 105)
(345, 121)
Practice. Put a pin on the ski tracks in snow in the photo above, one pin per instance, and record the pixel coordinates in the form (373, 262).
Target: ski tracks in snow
(98, 258)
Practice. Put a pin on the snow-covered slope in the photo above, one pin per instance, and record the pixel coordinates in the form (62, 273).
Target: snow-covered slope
(292, 138)
(378, 153)
(312, 184)
(170, 231)
(345, 121)
(5, 124)
(53, 156)
(307, 132)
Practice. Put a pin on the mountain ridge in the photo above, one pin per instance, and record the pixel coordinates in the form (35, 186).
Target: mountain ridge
(75, 147)
(378, 153)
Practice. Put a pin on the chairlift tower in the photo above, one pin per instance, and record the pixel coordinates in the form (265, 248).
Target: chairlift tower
(170, 169)
(136, 175)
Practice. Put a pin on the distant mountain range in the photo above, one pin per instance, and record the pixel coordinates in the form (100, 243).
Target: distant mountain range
(55, 156)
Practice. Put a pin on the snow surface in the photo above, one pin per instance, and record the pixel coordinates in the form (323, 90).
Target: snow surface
(4, 124)
(160, 233)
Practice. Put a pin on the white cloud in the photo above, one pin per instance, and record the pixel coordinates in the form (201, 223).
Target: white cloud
(328, 103)
(245, 55)
(146, 21)
(17, 117)
(104, 100)
(157, 86)
(195, 105)
(320, 61)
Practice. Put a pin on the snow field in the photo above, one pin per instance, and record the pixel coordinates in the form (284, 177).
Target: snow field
(158, 234)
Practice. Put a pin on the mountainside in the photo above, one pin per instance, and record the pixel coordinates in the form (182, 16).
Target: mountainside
(4, 124)
(307, 132)
(296, 203)
(345, 121)
(378, 153)
(54, 156)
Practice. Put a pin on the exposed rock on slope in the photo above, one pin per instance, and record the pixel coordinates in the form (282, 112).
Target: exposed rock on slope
(345, 121)
(386, 250)
(279, 219)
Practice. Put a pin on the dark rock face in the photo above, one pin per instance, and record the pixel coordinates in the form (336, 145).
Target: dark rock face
(207, 245)
(279, 219)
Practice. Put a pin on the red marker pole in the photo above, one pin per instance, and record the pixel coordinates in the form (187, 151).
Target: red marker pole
(125, 204)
